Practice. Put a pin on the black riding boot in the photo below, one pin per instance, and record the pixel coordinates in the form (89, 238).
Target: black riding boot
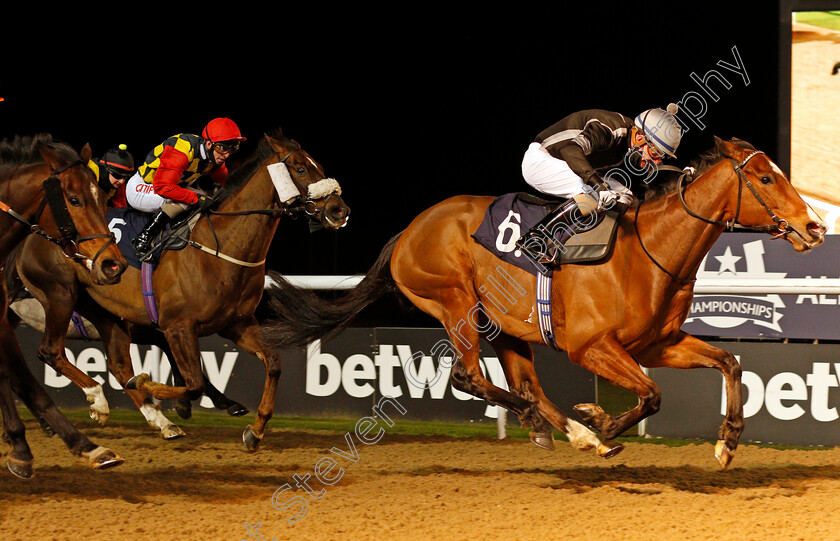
(544, 242)
(143, 241)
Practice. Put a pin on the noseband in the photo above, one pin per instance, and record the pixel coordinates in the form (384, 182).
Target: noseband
(305, 203)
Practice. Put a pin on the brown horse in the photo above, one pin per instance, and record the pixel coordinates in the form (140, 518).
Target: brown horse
(610, 317)
(212, 286)
(47, 188)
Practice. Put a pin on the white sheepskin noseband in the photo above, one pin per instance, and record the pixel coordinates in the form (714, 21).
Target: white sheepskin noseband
(323, 188)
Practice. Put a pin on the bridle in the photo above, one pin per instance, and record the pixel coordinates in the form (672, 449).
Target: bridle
(779, 224)
(68, 234)
(303, 203)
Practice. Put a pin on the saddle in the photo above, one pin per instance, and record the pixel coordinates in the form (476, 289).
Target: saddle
(127, 223)
(512, 215)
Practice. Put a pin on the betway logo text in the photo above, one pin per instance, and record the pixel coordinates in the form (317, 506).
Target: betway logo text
(92, 362)
(395, 371)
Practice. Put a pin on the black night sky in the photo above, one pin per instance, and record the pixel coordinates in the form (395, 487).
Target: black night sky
(404, 106)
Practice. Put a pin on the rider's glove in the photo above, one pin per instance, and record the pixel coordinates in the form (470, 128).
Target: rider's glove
(614, 194)
(205, 202)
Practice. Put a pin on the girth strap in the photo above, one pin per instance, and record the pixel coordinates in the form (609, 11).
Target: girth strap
(148, 291)
(544, 310)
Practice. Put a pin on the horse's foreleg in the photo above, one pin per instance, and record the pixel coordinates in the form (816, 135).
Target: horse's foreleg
(608, 359)
(246, 334)
(117, 342)
(517, 360)
(689, 352)
(38, 401)
(58, 309)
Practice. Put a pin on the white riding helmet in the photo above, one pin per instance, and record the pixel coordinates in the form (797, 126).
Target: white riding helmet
(661, 129)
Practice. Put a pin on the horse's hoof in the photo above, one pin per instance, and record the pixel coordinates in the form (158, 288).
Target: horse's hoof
(609, 449)
(172, 432)
(103, 458)
(237, 410)
(723, 454)
(138, 380)
(544, 440)
(106, 463)
(21, 468)
(183, 409)
(100, 417)
(251, 440)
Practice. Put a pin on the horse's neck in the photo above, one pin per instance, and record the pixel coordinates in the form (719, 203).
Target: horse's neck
(249, 235)
(666, 223)
(23, 194)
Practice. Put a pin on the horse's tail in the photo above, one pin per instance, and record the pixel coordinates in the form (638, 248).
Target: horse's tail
(299, 316)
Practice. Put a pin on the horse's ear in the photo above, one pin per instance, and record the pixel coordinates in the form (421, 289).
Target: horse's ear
(724, 147)
(86, 152)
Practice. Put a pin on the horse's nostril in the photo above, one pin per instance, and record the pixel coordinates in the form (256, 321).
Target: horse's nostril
(816, 229)
(111, 268)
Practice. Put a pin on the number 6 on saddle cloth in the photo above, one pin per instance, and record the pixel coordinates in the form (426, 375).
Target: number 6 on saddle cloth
(544, 246)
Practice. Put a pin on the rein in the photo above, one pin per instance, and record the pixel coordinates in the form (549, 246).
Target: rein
(780, 224)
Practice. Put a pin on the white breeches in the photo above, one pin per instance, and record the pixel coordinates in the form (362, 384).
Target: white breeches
(549, 175)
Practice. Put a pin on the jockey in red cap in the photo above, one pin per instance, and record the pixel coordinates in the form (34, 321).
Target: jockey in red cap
(162, 181)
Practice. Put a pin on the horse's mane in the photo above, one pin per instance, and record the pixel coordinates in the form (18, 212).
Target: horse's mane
(242, 173)
(23, 150)
(666, 181)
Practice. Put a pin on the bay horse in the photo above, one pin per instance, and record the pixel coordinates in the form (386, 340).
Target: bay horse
(212, 286)
(612, 318)
(47, 188)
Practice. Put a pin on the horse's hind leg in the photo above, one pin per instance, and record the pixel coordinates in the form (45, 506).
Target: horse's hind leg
(454, 312)
(246, 334)
(517, 360)
(689, 352)
(184, 407)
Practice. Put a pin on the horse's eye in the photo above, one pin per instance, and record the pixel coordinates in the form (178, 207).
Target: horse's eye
(766, 180)
(301, 170)
(75, 202)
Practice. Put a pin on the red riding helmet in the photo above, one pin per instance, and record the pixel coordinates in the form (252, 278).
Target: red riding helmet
(222, 129)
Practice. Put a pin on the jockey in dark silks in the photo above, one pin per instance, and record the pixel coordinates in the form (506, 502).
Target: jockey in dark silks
(564, 162)
(112, 170)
